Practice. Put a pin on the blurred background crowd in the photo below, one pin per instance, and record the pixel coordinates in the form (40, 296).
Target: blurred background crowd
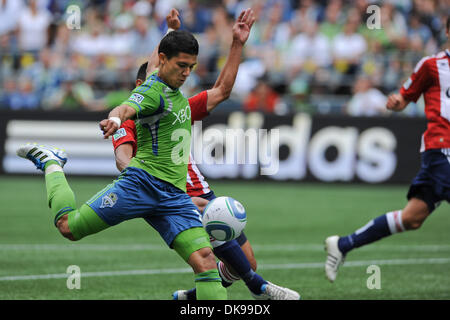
(302, 56)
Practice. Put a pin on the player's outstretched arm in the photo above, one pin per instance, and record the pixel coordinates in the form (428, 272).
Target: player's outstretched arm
(116, 117)
(173, 23)
(396, 102)
(123, 155)
(225, 82)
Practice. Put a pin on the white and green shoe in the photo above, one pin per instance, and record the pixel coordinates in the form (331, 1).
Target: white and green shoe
(40, 154)
(270, 291)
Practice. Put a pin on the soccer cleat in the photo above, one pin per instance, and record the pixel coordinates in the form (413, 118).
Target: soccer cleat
(180, 295)
(271, 291)
(40, 155)
(334, 257)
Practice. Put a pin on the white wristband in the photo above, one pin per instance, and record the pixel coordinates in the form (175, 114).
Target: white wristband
(169, 30)
(116, 120)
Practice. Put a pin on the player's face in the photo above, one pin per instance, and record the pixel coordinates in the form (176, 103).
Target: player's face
(174, 71)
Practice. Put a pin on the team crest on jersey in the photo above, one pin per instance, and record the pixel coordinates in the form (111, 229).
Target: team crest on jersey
(136, 97)
(109, 200)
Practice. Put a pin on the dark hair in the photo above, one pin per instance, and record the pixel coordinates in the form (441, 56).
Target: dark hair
(178, 41)
(448, 23)
(142, 72)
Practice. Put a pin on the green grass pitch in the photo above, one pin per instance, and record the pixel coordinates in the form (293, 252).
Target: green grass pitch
(287, 224)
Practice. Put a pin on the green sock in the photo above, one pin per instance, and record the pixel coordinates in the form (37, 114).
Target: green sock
(60, 196)
(61, 200)
(209, 286)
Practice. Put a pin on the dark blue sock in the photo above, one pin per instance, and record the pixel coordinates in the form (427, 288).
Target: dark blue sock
(232, 254)
(374, 230)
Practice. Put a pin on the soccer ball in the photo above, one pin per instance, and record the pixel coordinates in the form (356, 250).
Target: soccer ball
(224, 218)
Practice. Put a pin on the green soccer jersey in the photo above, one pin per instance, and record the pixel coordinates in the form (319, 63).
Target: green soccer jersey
(163, 129)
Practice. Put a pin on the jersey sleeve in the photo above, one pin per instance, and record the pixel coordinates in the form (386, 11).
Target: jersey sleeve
(125, 134)
(144, 102)
(418, 82)
(198, 105)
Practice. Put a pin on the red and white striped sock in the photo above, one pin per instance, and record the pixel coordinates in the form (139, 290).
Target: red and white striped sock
(225, 274)
(394, 220)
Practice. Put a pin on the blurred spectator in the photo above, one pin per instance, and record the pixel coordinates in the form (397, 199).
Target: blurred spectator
(307, 11)
(392, 75)
(222, 23)
(93, 42)
(61, 42)
(428, 10)
(418, 29)
(310, 51)
(395, 26)
(119, 42)
(347, 49)
(195, 18)
(349, 46)
(332, 24)
(33, 27)
(23, 96)
(208, 56)
(247, 78)
(143, 9)
(145, 37)
(72, 95)
(10, 11)
(111, 100)
(366, 100)
(265, 99)
(276, 33)
(47, 75)
(9, 90)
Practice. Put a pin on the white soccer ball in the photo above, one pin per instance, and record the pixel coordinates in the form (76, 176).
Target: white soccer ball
(224, 218)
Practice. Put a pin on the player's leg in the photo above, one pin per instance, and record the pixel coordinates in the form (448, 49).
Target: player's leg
(238, 262)
(194, 247)
(428, 188)
(234, 265)
(200, 203)
(247, 249)
(60, 196)
(410, 218)
(72, 223)
(231, 255)
(179, 223)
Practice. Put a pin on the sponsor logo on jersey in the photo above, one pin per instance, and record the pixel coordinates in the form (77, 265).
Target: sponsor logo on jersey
(119, 134)
(136, 97)
(109, 200)
(183, 115)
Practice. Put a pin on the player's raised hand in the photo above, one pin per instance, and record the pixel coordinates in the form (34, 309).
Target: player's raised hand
(173, 20)
(243, 25)
(395, 102)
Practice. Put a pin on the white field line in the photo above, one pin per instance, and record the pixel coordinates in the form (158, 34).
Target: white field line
(306, 265)
(256, 247)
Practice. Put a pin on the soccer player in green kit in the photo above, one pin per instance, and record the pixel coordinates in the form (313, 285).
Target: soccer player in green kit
(153, 185)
